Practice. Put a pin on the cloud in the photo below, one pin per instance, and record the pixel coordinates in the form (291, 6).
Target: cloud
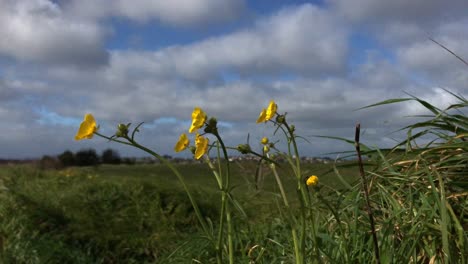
(37, 31)
(175, 12)
(434, 61)
(297, 56)
(7, 93)
(418, 11)
(404, 28)
(305, 40)
(323, 106)
(146, 85)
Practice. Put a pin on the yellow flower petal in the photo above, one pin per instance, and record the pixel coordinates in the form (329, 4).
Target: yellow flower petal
(182, 143)
(201, 146)
(271, 110)
(312, 180)
(87, 128)
(198, 119)
(262, 116)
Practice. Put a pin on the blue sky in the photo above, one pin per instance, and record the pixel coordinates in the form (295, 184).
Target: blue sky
(154, 61)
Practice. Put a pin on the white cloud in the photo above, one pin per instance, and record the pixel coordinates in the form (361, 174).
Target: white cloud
(404, 28)
(425, 54)
(419, 11)
(174, 12)
(37, 31)
(304, 40)
(307, 42)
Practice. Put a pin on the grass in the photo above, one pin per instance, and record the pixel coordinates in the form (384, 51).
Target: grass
(141, 214)
(115, 213)
(93, 217)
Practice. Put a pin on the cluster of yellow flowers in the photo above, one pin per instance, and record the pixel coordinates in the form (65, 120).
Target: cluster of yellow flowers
(267, 114)
(199, 118)
(201, 143)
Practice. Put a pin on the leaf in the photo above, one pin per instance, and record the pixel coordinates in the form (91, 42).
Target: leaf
(237, 206)
(389, 101)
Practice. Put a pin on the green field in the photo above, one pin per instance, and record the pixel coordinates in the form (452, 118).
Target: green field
(140, 214)
(123, 213)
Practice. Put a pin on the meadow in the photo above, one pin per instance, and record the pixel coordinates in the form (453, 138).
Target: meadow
(408, 204)
(126, 213)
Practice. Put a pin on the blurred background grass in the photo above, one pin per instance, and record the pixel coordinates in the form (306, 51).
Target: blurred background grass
(124, 213)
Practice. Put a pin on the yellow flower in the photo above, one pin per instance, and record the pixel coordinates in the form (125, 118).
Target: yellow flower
(182, 143)
(262, 116)
(271, 110)
(267, 113)
(201, 146)
(312, 180)
(265, 140)
(198, 119)
(87, 128)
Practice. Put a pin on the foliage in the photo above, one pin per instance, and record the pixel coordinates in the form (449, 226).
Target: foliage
(86, 157)
(110, 156)
(48, 162)
(67, 158)
(76, 216)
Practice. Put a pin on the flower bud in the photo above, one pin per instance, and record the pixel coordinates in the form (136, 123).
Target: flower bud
(211, 126)
(266, 149)
(122, 130)
(312, 180)
(212, 122)
(193, 149)
(244, 148)
(265, 140)
(281, 119)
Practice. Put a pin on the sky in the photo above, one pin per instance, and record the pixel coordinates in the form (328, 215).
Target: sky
(132, 61)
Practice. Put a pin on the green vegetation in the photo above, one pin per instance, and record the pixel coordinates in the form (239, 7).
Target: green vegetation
(121, 214)
(142, 213)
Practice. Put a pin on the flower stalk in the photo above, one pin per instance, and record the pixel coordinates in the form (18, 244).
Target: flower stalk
(366, 194)
(224, 200)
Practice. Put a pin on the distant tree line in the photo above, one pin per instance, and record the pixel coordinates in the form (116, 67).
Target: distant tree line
(84, 157)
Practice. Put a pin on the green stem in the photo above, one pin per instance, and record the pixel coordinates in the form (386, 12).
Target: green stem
(219, 244)
(300, 184)
(296, 246)
(224, 200)
(218, 175)
(304, 197)
(314, 235)
(366, 193)
(280, 185)
(230, 233)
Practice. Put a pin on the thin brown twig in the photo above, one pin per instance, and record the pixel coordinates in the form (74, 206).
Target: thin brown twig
(366, 194)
